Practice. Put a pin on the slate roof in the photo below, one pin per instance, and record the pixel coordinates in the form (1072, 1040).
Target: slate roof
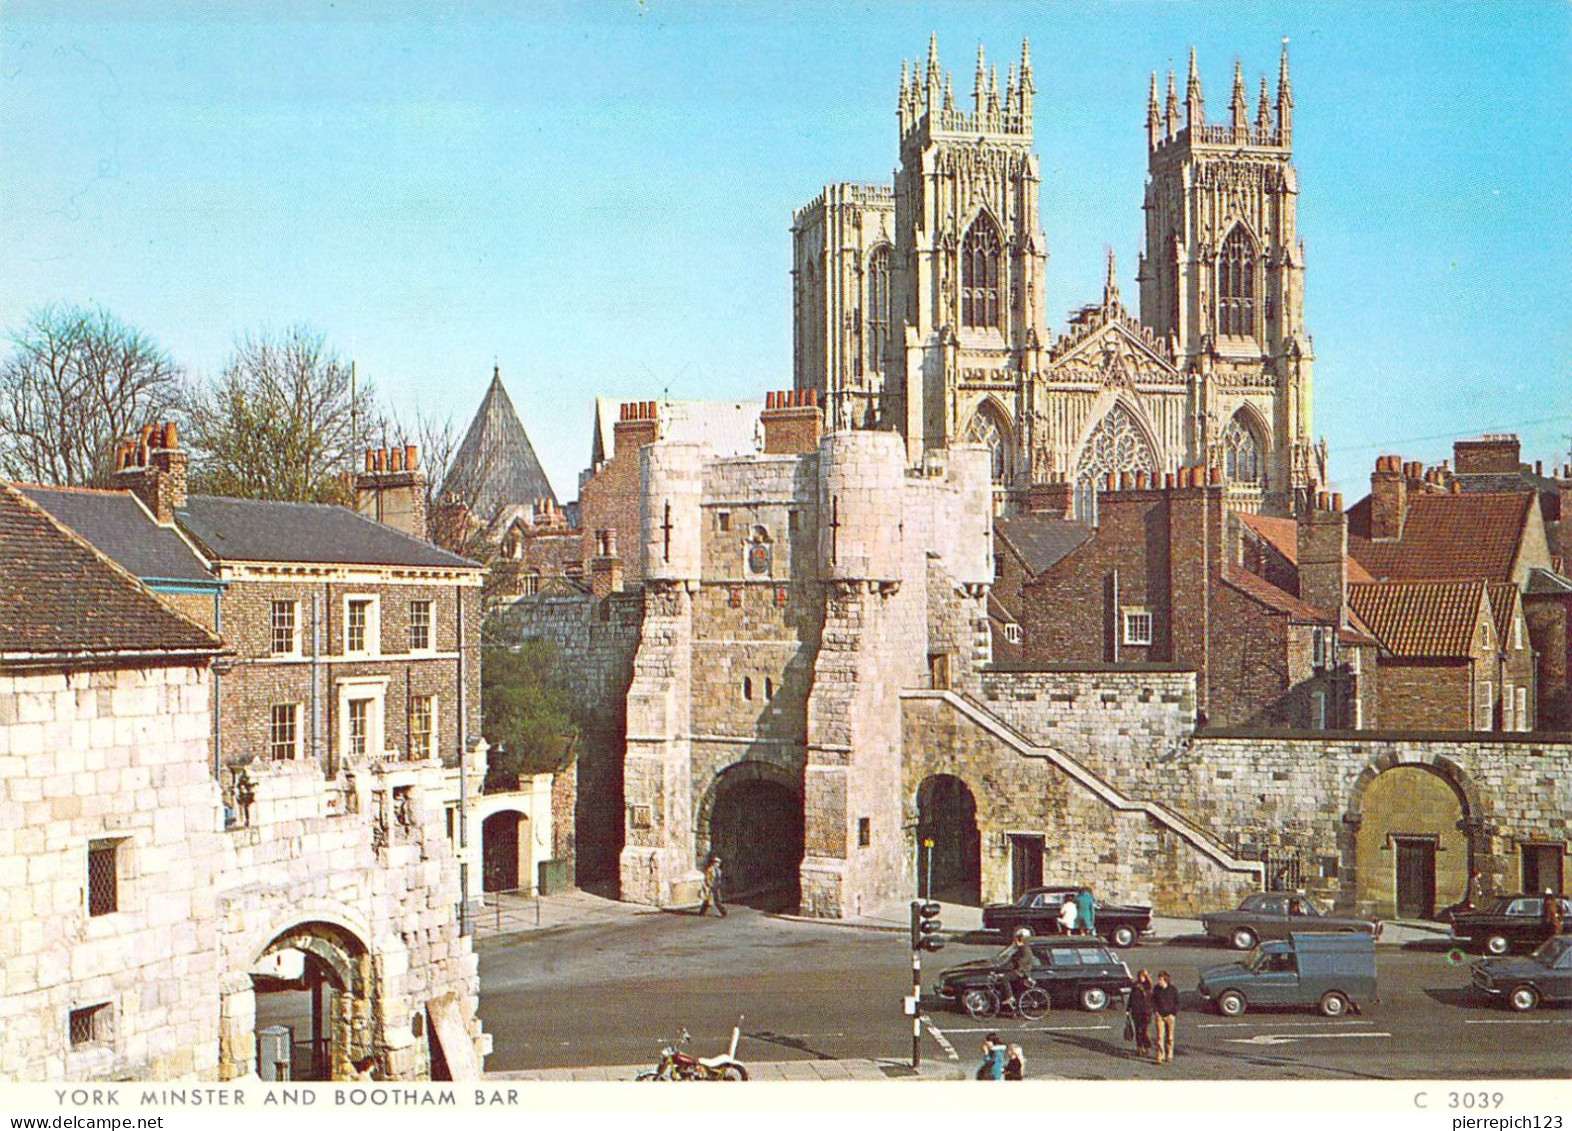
(1282, 534)
(495, 466)
(1541, 582)
(251, 530)
(118, 525)
(1513, 482)
(1041, 540)
(1444, 537)
(1421, 619)
(58, 595)
(1259, 589)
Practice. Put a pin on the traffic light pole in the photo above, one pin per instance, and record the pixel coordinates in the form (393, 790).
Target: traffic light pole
(916, 1010)
(925, 926)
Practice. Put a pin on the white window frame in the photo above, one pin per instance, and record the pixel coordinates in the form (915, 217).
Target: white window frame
(1522, 709)
(432, 734)
(1318, 710)
(1485, 705)
(293, 650)
(1320, 651)
(373, 640)
(375, 689)
(431, 625)
(1517, 634)
(1129, 615)
(1013, 634)
(294, 752)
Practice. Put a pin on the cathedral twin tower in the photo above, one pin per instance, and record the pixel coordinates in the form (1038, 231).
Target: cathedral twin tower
(920, 308)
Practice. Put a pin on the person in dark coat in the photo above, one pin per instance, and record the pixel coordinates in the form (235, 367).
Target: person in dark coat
(1015, 1064)
(710, 888)
(1165, 1009)
(1141, 1014)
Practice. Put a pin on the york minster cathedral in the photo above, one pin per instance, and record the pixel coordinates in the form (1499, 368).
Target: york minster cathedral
(920, 307)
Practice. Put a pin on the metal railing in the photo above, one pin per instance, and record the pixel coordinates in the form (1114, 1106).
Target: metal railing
(513, 908)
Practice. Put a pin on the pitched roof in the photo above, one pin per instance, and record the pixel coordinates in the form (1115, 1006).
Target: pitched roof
(1542, 582)
(1503, 603)
(252, 530)
(1041, 540)
(118, 525)
(1263, 591)
(1432, 619)
(1282, 534)
(1445, 536)
(59, 597)
(495, 465)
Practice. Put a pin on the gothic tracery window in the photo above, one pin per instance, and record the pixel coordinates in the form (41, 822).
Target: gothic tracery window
(878, 305)
(1236, 285)
(1242, 456)
(986, 428)
(1115, 445)
(980, 256)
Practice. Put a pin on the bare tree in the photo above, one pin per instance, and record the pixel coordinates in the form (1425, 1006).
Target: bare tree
(280, 422)
(76, 381)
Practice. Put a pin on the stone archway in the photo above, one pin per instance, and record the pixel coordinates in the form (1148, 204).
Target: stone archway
(506, 862)
(950, 857)
(315, 977)
(1410, 843)
(752, 818)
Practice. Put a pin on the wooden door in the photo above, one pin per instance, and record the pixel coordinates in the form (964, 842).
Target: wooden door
(1026, 864)
(1416, 877)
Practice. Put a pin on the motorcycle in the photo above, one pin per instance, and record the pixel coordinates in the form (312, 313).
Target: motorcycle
(675, 1064)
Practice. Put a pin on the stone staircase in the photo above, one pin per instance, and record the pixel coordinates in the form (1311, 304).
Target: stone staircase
(1192, 834)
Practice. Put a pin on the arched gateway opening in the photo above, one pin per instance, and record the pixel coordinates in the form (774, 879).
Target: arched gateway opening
(949, 858)
(752, 819)
(309, 981)
(1410, 841)
(505, 849)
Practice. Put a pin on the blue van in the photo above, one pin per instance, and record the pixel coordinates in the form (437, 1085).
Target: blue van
(1333, 972)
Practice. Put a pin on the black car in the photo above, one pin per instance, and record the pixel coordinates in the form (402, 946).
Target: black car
(1522, 983)
(1038, 910)
(1511, 921)
(1073, 971)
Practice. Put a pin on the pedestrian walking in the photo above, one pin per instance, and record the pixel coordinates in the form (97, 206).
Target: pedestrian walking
(710, 888)
(1067, 916)
(1554, 917)
(1139, 1025)
(993, 1053)
(1086, 911)
(1015, 1064)
(1165, 1010)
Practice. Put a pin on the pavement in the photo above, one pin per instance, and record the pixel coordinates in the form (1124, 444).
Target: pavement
(814, 1070)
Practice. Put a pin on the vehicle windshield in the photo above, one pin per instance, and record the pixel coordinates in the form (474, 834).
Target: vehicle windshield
(1255, 959)
(1551, 950)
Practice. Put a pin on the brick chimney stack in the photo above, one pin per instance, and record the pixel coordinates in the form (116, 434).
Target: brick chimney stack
(1055, 497)
(392, 490)
(638, 424)
(605, 566)
(1388, 499)
(1494, 454)
(152, 466)
(792, 422)
(1323, 554)
(1564, 490)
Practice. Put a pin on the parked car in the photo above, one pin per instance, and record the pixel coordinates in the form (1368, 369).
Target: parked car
(1038, 909)
(1274, 915)
(1522, 983)
(1512, 921)
(1331, 971)
(1074, 971)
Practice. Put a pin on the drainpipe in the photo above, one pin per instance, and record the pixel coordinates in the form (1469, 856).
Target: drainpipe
(1113, 617)
(218, 703)
(463, 745)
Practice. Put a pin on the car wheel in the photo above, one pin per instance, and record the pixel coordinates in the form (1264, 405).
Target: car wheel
(1230, 1003)
(1333, 1004)
(979, 1004)
(1242, 939)
(1122, 937)
(1094, 999)
(734, 1072)
(1497, 944)
(1522, 999)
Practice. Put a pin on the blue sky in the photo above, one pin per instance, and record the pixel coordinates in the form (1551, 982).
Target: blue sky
(598, 196)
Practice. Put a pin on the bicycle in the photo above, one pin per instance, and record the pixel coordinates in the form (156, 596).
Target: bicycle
(984, 1002)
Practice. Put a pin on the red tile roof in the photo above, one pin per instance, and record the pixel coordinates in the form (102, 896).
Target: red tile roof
(1431, 619)
(1445, 537)
(1503, 604)
(1263, 591)
(61, 598)
(1282, 534)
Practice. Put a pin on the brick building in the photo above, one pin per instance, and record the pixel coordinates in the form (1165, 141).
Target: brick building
(1161, 580)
